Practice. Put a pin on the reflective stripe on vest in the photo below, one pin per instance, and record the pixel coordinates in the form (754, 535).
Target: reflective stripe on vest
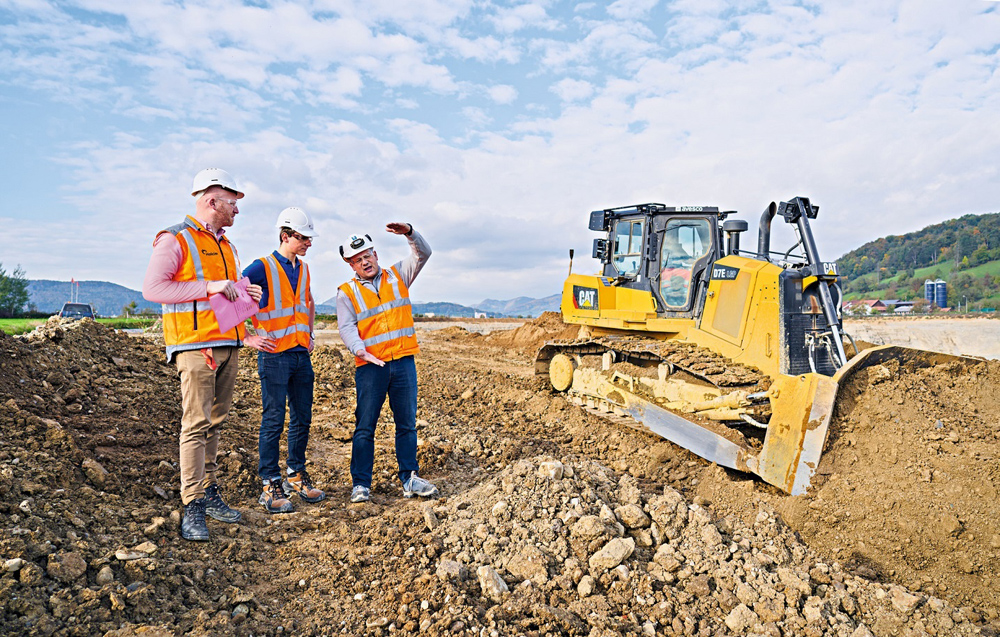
(385, 320)
(286, 316)
(192, 325)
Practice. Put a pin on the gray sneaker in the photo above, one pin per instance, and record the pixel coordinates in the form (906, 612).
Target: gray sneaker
(415, 485)
(360, 494)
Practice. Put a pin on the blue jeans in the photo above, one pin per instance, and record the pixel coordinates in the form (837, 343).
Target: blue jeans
(285, 376)
(398, 381)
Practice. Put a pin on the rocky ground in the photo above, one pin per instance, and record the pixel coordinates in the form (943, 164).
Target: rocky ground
(551, 521)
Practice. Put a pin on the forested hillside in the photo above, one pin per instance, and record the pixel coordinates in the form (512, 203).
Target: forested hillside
(965, 252)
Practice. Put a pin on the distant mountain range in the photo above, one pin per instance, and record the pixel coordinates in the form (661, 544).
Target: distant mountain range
(109, 299)
(522, 306)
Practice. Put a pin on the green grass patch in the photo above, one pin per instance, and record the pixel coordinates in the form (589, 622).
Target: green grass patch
(19, 325)
(14, 326)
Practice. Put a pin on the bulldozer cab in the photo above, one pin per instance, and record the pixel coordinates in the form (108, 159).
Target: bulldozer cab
(660, 249)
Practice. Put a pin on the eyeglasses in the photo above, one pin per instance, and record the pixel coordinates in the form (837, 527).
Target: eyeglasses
(302, 238)
(231, 202)
(367, 255)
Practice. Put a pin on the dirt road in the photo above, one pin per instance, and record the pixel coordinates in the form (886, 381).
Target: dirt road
(551, 521)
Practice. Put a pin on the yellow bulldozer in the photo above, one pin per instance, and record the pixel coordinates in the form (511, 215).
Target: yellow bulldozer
(733, 354)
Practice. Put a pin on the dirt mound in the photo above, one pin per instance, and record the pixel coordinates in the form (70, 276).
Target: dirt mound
(911, 473)
(533, 334)
(592, 529)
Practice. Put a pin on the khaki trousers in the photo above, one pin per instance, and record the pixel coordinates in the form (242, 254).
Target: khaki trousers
(206, 396)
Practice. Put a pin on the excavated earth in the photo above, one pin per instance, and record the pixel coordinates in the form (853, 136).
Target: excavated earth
(550, 522)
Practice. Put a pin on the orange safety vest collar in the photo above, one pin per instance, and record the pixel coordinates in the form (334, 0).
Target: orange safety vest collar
(205, 257)
(385, 320)
(285, 318)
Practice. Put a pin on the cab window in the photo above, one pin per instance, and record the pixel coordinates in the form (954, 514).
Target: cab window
(628, 246)
(684, 242)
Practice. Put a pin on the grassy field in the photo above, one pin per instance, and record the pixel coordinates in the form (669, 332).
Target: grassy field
(24, 325)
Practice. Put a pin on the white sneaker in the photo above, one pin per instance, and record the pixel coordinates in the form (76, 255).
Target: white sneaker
(415, 485)
(360, 494)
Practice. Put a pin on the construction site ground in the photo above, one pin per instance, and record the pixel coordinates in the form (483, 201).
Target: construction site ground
(551, 521)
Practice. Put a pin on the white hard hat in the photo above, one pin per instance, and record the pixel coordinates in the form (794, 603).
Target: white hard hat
(356, 244)
(214, 177)
(297, 220)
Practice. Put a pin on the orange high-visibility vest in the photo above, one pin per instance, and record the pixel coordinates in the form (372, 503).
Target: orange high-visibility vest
(192, 325)
(285, 318)
(385, 320)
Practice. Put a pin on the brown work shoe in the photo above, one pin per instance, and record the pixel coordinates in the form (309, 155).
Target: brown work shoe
(274, 498)
(300, 484)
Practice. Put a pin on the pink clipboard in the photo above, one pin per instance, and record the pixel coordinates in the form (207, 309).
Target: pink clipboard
(228, 313)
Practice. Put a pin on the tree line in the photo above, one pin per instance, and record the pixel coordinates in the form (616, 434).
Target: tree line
(13, 292)
(888, 264)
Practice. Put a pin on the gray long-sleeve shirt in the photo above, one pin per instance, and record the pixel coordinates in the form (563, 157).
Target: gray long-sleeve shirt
(408, 268)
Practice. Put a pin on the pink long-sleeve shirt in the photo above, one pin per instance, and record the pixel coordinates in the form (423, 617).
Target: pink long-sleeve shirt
(159, 285)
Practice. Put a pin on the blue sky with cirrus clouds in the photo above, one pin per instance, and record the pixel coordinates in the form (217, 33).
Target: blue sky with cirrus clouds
(494, 127)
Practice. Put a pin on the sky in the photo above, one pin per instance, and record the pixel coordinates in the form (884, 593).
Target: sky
(493, 127)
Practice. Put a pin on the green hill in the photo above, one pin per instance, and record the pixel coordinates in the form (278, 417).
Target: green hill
(964, 252)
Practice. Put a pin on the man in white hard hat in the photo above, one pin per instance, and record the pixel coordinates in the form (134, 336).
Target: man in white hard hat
(285, 321)
(376, 324)
(192, 261)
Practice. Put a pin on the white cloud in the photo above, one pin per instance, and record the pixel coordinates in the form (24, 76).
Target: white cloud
(502, 93)
(631, 9)
(524, 16)
(570, 90)
(364, 114)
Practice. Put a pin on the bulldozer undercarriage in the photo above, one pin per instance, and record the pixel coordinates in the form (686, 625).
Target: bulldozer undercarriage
(774, 428)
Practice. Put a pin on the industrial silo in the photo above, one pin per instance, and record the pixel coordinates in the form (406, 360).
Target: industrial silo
(929, 291)
(941, 293)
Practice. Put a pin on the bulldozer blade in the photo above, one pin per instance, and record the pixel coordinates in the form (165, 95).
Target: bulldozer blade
(692, 436)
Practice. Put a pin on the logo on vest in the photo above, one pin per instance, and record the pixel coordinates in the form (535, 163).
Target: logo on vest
(209, 254)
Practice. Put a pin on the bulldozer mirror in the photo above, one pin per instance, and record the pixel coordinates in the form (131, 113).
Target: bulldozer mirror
(601, 250)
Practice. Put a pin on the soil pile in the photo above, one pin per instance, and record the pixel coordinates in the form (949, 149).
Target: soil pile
(533, 334)
(550, 521)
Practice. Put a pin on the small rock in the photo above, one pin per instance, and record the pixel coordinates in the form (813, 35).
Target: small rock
(25, 506)
(450, 570)
(491, 583)
(105, 575)
(586, 586)
(95, 472)
(146, 548)
(902, 601)
(126, 555)
(552, 469)
(430, 519)
(240, 613)
(13, 565)
(862, 630)
(154, 526)
(632, 516)
(589, 527)
(612, 554)
(117, 603)
(740, 619)
(66, 567)
(499, 508)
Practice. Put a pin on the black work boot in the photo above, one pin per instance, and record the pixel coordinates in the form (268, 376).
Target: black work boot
(193, 525)
(216, 507)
